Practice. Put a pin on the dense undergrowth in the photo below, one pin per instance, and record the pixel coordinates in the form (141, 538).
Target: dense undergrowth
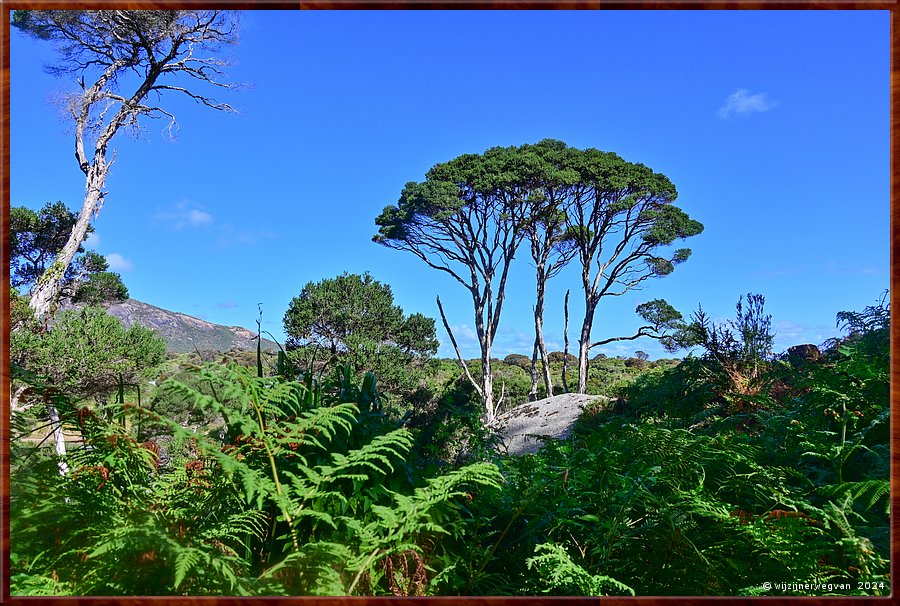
(716, 476)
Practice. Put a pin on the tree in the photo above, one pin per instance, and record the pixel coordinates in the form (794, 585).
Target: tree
(354, 319)
(37, 237)
(620, 217)
(101, 287)
(88, 352)
(551, 249)
(106, 49)
(466, 220)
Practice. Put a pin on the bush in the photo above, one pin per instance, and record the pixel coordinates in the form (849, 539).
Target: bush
(88, 353)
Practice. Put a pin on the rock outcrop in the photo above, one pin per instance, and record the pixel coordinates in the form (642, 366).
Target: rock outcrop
(521, 429)
(803, 353)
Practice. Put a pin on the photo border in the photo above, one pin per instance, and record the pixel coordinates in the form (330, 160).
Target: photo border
(893, 6)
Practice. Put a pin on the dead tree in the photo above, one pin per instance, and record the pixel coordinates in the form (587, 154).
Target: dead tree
(123, 62)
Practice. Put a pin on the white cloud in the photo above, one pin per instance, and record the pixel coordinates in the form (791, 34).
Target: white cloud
(182, 215)
(118, 263)
(198, 217)
(92, 241)
(742, 101)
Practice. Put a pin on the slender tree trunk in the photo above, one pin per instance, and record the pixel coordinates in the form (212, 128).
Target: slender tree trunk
(58, 438)
(459, 355)
(584, 344)
(540, 348)
(45, 296)
(565, 366)
(539, 330)
(485, 332)
(487, 385)
(532, 393)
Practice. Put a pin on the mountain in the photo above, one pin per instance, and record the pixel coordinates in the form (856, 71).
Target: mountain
(184, 333)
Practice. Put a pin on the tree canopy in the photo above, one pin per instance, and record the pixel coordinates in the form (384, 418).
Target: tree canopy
(88, 352)
(469, 216)
(467, 220)
(36, 237)
(621, 218)
(353, 317)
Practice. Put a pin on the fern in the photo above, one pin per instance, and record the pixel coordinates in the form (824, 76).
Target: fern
(559, 575)
(876, 490)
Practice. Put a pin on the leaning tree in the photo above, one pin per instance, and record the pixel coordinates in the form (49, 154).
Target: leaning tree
(466, 220)
(622, 220)
(124, 62)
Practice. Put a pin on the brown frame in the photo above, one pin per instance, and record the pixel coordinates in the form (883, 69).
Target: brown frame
(7, 5)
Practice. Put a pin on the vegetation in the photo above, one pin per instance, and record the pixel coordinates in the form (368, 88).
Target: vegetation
(356, 464)
(471, 214)
(466, 220)
(169, 52)
(36, 238)
(694, 485)
(352, 320)
(708, 476)
(304, 490)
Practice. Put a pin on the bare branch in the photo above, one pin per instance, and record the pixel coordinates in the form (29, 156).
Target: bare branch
(462, 362)
(207, 101)
(642, 332)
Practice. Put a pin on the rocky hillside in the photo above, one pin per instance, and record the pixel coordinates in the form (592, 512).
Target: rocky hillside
(184, 333)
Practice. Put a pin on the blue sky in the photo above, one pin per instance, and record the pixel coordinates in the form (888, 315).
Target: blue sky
(773, 125)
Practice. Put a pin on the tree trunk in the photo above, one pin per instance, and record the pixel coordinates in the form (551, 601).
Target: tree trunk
(565, 366)
(459, 355)
(539, 331)
(584, 345)
(45, 296)
(540, 351)
(487, 385)
(545, 362)
(532, 393)
(485, 340)
(58, 438)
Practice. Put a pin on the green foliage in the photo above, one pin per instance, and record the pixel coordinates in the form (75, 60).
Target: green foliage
(687, 485)
(36, 237)
(87, 352)
(559, 575)
(20, 313)
(737, 354)
(746, 341)
(101, 287)
(35, 240)
(352, 319)
(304, 492)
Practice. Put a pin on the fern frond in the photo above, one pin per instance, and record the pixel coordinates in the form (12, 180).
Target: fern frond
(185, 561)
(875, 489)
